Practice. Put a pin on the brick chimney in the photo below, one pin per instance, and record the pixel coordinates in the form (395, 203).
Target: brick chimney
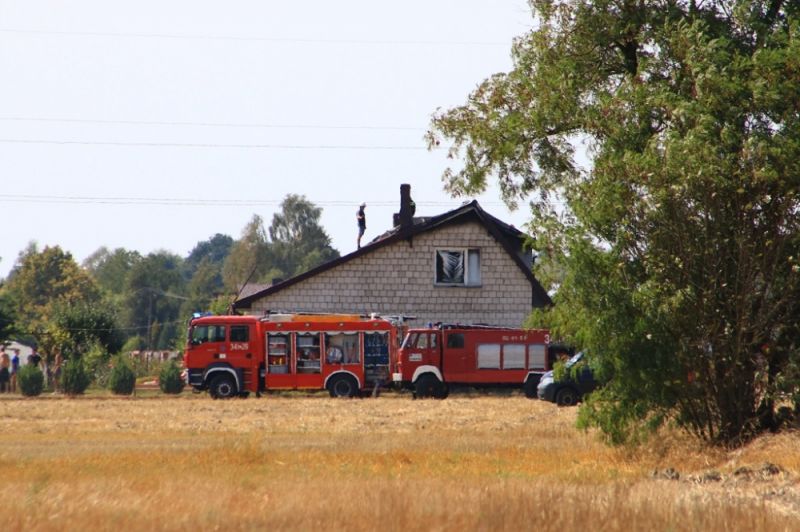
(405, 218)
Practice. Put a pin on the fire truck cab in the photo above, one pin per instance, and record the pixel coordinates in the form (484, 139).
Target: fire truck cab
(430, 359)
(237, 355)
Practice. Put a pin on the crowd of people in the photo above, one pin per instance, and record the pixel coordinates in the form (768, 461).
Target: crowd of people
(9, 368)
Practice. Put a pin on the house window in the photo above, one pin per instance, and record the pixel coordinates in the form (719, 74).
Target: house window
(458, 267)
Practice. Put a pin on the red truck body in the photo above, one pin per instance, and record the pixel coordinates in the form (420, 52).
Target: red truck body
(236, 355)
(432, 358)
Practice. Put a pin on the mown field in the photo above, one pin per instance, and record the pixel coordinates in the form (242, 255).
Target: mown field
(307, 462)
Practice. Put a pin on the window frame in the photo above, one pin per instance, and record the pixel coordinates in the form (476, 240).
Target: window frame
(239, 328)
(215, 340)
(467, 275)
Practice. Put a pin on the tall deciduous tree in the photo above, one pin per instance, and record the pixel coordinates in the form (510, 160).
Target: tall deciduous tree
(40, 282)
(7, 318)
(299, 243)
(679, 239)
(110, 268)
(248, 259)
(211, 252)
(153, 299)
(296, 243)
(77, 327)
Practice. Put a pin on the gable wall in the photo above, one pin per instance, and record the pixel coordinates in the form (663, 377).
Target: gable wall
(398, 279)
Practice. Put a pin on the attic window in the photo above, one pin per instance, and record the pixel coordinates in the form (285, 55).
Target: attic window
(458, 267)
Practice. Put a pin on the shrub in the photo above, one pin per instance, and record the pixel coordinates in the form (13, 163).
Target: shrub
(122, 380)
(96, 364)
(74, 379)
(170, 379)
(31, 380)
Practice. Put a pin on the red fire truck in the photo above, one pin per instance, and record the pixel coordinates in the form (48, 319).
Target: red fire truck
(432, 358)
(236, 355)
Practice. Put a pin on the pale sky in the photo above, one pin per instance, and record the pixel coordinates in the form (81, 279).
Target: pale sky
(154, 125)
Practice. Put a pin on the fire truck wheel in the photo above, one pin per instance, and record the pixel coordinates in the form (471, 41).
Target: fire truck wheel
(566, 397)
(222, 387)
(428, 385)
(342, 386)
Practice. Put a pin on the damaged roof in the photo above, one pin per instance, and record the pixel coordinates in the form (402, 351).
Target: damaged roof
(507, 235)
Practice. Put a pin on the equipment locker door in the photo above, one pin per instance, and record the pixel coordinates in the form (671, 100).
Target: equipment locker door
(281, 364)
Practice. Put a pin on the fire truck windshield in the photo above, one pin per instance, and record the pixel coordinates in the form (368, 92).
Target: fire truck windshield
(206, 333)
(410, 340)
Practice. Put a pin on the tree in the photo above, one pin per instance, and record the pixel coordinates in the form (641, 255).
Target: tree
(679, 241)
(212, 251)
(296, 244)
(155, 288)
(80, 326)
(110, 268)
(39, 283)
(299, 243)
(248, 259)
(204, 286)
(203, 270)
(7, 317)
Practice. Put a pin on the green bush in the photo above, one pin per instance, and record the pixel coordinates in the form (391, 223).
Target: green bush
(170, 379)
(31, 380)
(96, 364)
(122, 380)
(74, 379)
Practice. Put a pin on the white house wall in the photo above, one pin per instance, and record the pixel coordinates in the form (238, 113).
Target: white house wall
(398, 279)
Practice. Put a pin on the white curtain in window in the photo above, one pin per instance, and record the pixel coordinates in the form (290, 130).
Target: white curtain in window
(450, 267)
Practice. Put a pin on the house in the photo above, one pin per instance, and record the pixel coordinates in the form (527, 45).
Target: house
(463, 266)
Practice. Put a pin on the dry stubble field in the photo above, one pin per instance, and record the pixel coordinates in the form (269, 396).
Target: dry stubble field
(307, 462)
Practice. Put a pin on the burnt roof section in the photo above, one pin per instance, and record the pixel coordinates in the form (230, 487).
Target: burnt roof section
(508, 236)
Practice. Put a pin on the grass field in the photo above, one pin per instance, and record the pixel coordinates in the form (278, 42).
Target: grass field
(308, 462)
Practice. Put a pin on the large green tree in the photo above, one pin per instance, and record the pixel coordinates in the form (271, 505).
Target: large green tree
(78, 327)
(7, 318)
(111, 268)
(248, 260)
(296, 243)
(677, 235)
(299, 243)
(40, 283)
(154, 292)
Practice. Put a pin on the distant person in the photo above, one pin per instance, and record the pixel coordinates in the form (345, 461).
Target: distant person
(362, 223)
(56, 377)
(34, 359)
(14, 370)
(5, 372)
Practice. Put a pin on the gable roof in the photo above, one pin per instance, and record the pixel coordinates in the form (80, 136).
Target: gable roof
(508, 236)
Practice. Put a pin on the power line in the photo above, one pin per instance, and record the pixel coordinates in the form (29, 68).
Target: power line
(208, 124)
(287, 40)
(200, 202)
(215, 145)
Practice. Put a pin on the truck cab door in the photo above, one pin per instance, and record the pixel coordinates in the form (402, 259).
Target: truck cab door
(456, 364)
(207, 344)
(420, 349)
(242, 352)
